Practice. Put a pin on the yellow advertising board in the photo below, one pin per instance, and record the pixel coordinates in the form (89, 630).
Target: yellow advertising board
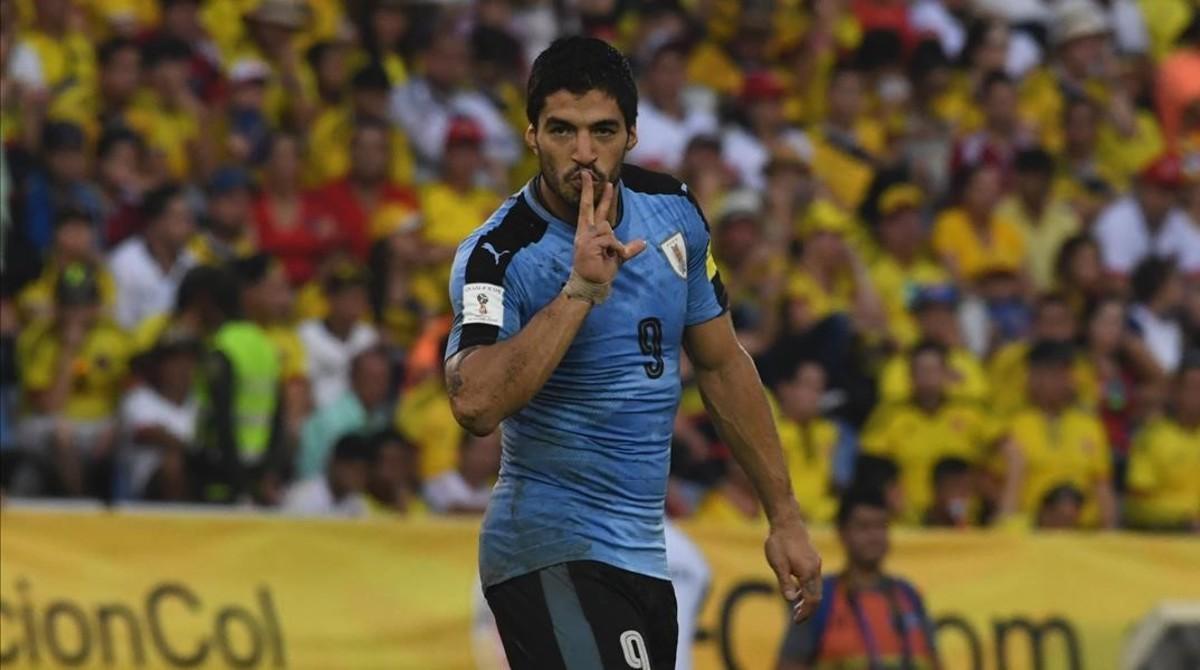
(121, 590)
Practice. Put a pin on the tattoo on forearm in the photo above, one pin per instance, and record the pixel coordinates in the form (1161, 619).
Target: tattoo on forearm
(454, 382)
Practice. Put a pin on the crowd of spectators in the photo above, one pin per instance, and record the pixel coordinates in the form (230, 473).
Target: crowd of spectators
(961, 239)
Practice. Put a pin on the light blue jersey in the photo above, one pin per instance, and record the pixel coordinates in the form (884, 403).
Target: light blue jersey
(583, 474)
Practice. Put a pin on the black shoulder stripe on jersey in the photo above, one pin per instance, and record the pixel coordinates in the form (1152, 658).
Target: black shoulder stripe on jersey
(641, 180)
(490, 257)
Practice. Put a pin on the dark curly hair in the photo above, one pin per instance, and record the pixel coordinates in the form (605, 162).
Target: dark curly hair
(579, 65)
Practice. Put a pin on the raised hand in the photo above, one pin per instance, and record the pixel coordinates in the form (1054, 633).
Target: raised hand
(598, 252)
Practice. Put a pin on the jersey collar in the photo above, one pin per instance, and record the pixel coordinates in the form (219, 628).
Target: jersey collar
(530, 191)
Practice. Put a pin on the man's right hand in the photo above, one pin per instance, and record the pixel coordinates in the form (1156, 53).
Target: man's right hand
(598, 252)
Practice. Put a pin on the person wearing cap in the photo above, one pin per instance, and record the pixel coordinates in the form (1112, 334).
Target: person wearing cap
(246, 128)
(746, 147)
(158, 422)
(72, 368)
(903, 263)
(1053, 442)
(667, 120)
(329, 136)
(428, 102)
(453, 206)
(791, 189)
(831, 279)
(849, 144)
(149, 267)
(340, 489)
(1081, 48)
(1164, 465)
(935, 309)
(228, 227)
(353, 199)
(60, 185)
(972, 238)
(927, 425)
(331, 343)
(272, 32)
(74, 242)
(753, 275)
(1046, 220)
(167, 113)
(1149, 223)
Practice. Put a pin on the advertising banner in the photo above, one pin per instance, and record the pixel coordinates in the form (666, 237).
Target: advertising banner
(126, 590)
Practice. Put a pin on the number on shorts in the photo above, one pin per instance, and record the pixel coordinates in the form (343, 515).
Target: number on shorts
(634, 649)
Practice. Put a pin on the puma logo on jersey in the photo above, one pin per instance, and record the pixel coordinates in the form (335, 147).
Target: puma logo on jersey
(487, 246)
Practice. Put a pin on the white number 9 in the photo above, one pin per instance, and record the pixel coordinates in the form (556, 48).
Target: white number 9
(634, 649)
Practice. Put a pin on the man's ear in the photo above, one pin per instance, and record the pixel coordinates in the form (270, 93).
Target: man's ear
(531, 139)
(631, 141)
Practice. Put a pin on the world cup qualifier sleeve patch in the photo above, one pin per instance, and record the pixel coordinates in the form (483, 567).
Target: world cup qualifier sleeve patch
(483, 303)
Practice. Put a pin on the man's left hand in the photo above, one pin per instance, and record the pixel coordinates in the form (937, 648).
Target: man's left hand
(797, 566)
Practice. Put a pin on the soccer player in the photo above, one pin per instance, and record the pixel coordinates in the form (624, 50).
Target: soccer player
(572, 306)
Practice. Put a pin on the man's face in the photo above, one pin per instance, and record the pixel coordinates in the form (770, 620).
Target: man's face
(68, 165)
(954, 493)
(481, 457)
(369, 154)
(349, 304)
(1000, 105)
(370, 380)
(176, 223)
(371, 103)
(1083, 55)
(1080, 127)
(120, 77)
(1033, 186)
(119, 167)
(1156, 201)
(865, 537)
(332, 70)
(846, 96)
(983, 191)
(448, 62)
(1054, 321)
(230, 211)
(182, 21)
(461, 161)
(902, 232)
(929, 375)
(1050, 385)
(666, 77)
(800, 397)
(74, 241)
(1061, 514)
(737, 238)
(350, 476)
(939, 323)
(576, 133)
